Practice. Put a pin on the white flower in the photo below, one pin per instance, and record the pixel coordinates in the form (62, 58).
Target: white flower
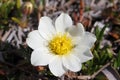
(62, 47)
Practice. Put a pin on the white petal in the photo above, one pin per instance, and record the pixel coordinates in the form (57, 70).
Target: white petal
(76, 30)
(34, 40)
(40, 57)
(63, 22)
(83, 53)
(76, 40)
(88, 40)
(46, 27)
(72, 62)
(56, 66)
(87, 56)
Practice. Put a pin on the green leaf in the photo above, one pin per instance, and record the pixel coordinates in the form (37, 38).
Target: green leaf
(18, 4)
(16, 20)
(1, 26)
(110, 55)
(118, 59)
(97, 31)
(103, 57)
(96, 55)
(115, 64)
(100, 36)
(3, 10)
(102, 32)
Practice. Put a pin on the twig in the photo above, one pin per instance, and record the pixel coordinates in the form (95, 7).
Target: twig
(40, 9)
(117, 41)
(6, 35)
(83, 77)
(88, 77)
(75, 17)
(96, 73)
(81, 10)
(69, 3)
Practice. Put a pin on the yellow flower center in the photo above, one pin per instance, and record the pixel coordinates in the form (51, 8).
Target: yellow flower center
(60, 44)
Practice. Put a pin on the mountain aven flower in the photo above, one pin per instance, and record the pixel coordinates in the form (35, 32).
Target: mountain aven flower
(60, 45)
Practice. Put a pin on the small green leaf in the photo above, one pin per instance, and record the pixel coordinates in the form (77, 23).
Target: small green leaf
(102, 32)
(18, 4)
(115, 64)
(100, 36)
(96, 55)
(104, 57)
(97, 31)
(109, 53)
(118, 59)
(16, 20)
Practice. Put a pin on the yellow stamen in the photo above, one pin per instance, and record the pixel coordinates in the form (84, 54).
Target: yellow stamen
(60, 44)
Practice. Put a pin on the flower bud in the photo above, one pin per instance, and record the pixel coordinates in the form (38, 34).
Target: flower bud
(41, 7)
(27, 8)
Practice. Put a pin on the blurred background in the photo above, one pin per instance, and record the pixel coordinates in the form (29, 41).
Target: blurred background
(19, 17)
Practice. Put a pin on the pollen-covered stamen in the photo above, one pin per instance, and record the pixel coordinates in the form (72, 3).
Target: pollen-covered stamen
(61, 44)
